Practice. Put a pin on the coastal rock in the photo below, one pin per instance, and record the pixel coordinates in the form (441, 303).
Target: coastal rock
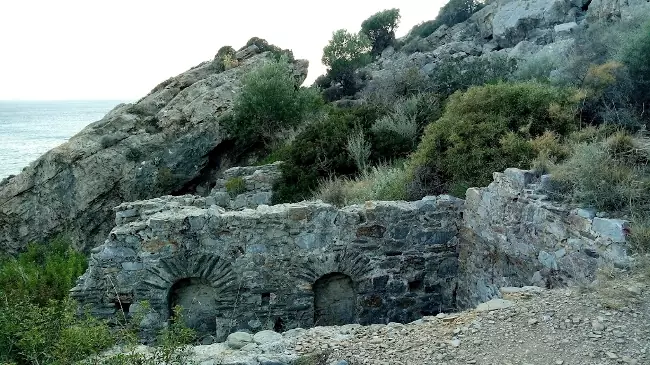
(170, 141)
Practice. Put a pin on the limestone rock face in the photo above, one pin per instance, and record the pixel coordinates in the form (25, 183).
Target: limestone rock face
(514, 20)
(165, 143)
(518, 29)
(616, 9)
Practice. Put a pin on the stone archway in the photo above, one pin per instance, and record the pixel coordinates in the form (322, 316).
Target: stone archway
(335, 300)
(197, 298)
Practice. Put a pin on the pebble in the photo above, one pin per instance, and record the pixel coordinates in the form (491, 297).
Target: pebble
(532, 321)
(597, 326)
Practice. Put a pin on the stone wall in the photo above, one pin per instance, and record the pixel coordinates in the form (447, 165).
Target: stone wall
(257, 184)
(514, 236)
(276, 267)
(306, 264)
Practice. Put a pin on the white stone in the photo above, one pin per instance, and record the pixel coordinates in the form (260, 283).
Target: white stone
(266, 337)
(238, 340)
(565, 27)
(614, 229)
(494, 304)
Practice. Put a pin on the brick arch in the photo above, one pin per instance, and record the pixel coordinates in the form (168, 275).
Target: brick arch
(211, 270)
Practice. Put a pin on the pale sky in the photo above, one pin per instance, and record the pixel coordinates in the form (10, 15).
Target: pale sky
(121, 49)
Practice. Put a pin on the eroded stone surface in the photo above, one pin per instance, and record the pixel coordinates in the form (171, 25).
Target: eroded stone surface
(514, 236)
(169, 141)
(279, 267)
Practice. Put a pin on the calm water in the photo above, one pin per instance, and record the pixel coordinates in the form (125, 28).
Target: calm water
(30, 128)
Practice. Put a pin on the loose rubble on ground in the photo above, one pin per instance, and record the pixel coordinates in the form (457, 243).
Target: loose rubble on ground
(607, 323)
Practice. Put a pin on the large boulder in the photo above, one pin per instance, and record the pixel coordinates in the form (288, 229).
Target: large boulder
(516, 20)
(167, 142)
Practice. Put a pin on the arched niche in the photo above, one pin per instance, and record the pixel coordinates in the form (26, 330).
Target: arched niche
(335, 300)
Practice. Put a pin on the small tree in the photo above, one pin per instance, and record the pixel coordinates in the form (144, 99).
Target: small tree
(270, 101)
(344, 54)
(457, 11)
(380, 29)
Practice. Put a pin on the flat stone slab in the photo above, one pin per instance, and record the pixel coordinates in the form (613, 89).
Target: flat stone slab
(494, 304)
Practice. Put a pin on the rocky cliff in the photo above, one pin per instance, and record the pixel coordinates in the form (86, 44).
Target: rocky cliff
(169, 141)
(517, 29)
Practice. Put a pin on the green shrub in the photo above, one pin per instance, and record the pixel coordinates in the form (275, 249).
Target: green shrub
(486, 129)
(591, 133)
(537, 67)
(424, 29)
(269, 102)
(451, 75)
(38, 322)
(42, 273)
(235, 186)
(343, 55)
(320, 151)
(380, 29)
(636, 56)
(264, 46)
(593, 177)
(388, 88)
(225, 58)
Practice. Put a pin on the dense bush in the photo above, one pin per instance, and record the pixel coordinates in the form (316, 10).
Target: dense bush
(380, 29)
(451, 75)
(319, 151)
(38, 324)
(225, 58)
(378, 183)
(636, 56)
(264, 46)
(388, 88)
(612, 175)
(423, 29)
(487, 129)
(609, 62)
(269, 102)
(396, 134)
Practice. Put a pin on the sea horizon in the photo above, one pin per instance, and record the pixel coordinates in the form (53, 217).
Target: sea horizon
(30, 128)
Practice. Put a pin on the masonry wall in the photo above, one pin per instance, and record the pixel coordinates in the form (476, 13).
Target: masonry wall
(513, 235)
(275, 266)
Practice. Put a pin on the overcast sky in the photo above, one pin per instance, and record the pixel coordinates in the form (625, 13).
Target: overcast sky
(120, 49)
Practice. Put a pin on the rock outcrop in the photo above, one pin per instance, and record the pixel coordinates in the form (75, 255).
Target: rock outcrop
(246, 187)
(518, 29)
(169, 141)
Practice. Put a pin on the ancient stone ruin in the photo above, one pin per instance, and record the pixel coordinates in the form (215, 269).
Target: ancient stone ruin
(308, 264)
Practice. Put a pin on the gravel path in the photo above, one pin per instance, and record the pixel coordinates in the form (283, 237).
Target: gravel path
(607, 324)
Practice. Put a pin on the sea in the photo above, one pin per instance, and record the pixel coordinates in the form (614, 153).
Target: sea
(28, 129)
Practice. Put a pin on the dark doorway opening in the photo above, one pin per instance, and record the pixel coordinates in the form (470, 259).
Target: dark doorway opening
(196, 298)
(335, 300)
